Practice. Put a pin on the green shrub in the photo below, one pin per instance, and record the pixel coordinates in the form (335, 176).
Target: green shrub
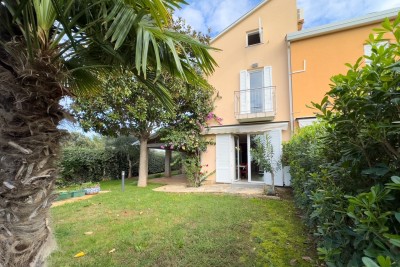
(344, 171)
(83, 164)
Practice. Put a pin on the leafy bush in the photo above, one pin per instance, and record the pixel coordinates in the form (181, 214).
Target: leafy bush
(344, 170)
(85, 162)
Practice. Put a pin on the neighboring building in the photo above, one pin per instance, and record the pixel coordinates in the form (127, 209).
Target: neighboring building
(319, 53)
(253, 85)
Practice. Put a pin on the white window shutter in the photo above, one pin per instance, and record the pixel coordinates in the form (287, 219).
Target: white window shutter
(368, 49)
(367, 52)
(268, 89)
(225, 158)
(260, 30)
(244, 93)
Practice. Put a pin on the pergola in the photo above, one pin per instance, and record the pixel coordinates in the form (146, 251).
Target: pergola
(155, 143)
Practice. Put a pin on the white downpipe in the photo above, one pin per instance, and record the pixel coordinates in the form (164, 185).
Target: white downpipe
(290, 90)
(260, 30)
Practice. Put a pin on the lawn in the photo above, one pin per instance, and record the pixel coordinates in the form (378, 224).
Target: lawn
(148, 228)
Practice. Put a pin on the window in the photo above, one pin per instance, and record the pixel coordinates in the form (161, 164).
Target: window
(253, 38)
(368, 50)
(256, 91)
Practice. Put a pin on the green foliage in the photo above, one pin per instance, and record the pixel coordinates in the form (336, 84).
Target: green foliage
(263, 153)
(344, 170)
(93, 160)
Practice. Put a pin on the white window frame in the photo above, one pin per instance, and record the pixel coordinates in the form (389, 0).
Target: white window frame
(253, 32)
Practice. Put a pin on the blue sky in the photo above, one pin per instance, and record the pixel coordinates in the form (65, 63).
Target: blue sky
(217, 15)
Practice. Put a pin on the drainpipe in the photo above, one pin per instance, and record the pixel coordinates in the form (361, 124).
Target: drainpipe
(290, 89)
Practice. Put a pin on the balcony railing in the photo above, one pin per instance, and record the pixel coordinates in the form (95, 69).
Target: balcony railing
(255, 104)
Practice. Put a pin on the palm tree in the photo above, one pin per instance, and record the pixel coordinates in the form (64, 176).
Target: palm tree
(55, 48)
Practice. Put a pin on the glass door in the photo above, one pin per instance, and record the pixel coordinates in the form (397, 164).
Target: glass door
(256, 91)
(256, 173)
(237, 158)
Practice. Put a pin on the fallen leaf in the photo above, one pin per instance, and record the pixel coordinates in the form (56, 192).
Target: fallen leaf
(306, 258)
(111, 251)
(293, 262)
(80, 254)
(141, 212)
(88, 233)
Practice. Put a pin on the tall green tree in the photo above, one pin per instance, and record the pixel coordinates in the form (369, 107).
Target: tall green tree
(55, 48)
(127, 108)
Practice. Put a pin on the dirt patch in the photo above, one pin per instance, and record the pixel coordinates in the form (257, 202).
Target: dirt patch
(75, 199)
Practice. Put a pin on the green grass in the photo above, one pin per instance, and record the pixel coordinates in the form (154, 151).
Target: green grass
(149, 228)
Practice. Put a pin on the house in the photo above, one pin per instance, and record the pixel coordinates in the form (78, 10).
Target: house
(253, 85)
(269, 72)
(319, 53)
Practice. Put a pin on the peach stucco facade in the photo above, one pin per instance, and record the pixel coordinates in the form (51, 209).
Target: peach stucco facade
(314, 60)
(276, 18)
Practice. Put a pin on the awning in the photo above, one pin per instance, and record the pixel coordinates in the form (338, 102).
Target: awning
(244, 129)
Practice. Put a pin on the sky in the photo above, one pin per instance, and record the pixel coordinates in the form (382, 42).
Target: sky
(217, 15)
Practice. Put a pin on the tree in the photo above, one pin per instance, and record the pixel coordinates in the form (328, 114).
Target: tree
(53, 48)
(263, 154)
(131, 110)
(126, 107)
(124, 145)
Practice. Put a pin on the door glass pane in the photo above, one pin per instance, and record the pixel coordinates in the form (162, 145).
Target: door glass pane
(257, 174)
(256, 91)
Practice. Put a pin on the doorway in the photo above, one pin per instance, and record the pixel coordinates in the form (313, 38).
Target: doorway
(241, 156)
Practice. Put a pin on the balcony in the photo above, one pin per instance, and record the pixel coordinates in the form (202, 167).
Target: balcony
(255, 104)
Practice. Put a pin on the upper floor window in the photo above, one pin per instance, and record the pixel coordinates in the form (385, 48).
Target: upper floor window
(253, 38)
(368, 50)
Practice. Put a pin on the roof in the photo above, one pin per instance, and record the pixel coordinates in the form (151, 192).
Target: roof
(240, 19)
(343, 25)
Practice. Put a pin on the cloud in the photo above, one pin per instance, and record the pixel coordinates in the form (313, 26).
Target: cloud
(217, 15)
(322, 12)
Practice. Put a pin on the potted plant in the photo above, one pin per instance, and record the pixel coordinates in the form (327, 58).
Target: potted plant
(91, 188)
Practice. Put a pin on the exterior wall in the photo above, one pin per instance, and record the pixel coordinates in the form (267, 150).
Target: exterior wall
(278, 18)
(325, 57)
(208, 158)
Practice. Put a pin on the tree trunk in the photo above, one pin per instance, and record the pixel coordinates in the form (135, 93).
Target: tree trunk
(273, 181)
(143, 163)
(129, 166)
(29, 116)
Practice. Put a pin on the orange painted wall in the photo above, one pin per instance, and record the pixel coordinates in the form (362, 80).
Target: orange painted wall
(325, 57)
(278, 18)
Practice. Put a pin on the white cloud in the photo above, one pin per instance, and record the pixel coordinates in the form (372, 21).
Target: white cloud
(323, 12)
(217, 15)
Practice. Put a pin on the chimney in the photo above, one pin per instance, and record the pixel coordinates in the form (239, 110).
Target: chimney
(300, 19)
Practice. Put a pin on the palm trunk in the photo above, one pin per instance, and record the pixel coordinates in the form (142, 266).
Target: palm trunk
(143, 163)
(29, 116)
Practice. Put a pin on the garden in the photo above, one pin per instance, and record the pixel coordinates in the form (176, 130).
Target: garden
(141, 227)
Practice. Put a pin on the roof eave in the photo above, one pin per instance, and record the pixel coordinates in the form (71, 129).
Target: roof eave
(239, 20)
(343, 25)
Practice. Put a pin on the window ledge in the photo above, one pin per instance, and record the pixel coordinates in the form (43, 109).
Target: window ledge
(254, 45)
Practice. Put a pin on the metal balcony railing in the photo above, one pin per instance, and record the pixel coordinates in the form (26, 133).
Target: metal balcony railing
(260, 102)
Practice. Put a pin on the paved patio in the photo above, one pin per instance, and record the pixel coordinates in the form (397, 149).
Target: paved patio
(178, 184)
